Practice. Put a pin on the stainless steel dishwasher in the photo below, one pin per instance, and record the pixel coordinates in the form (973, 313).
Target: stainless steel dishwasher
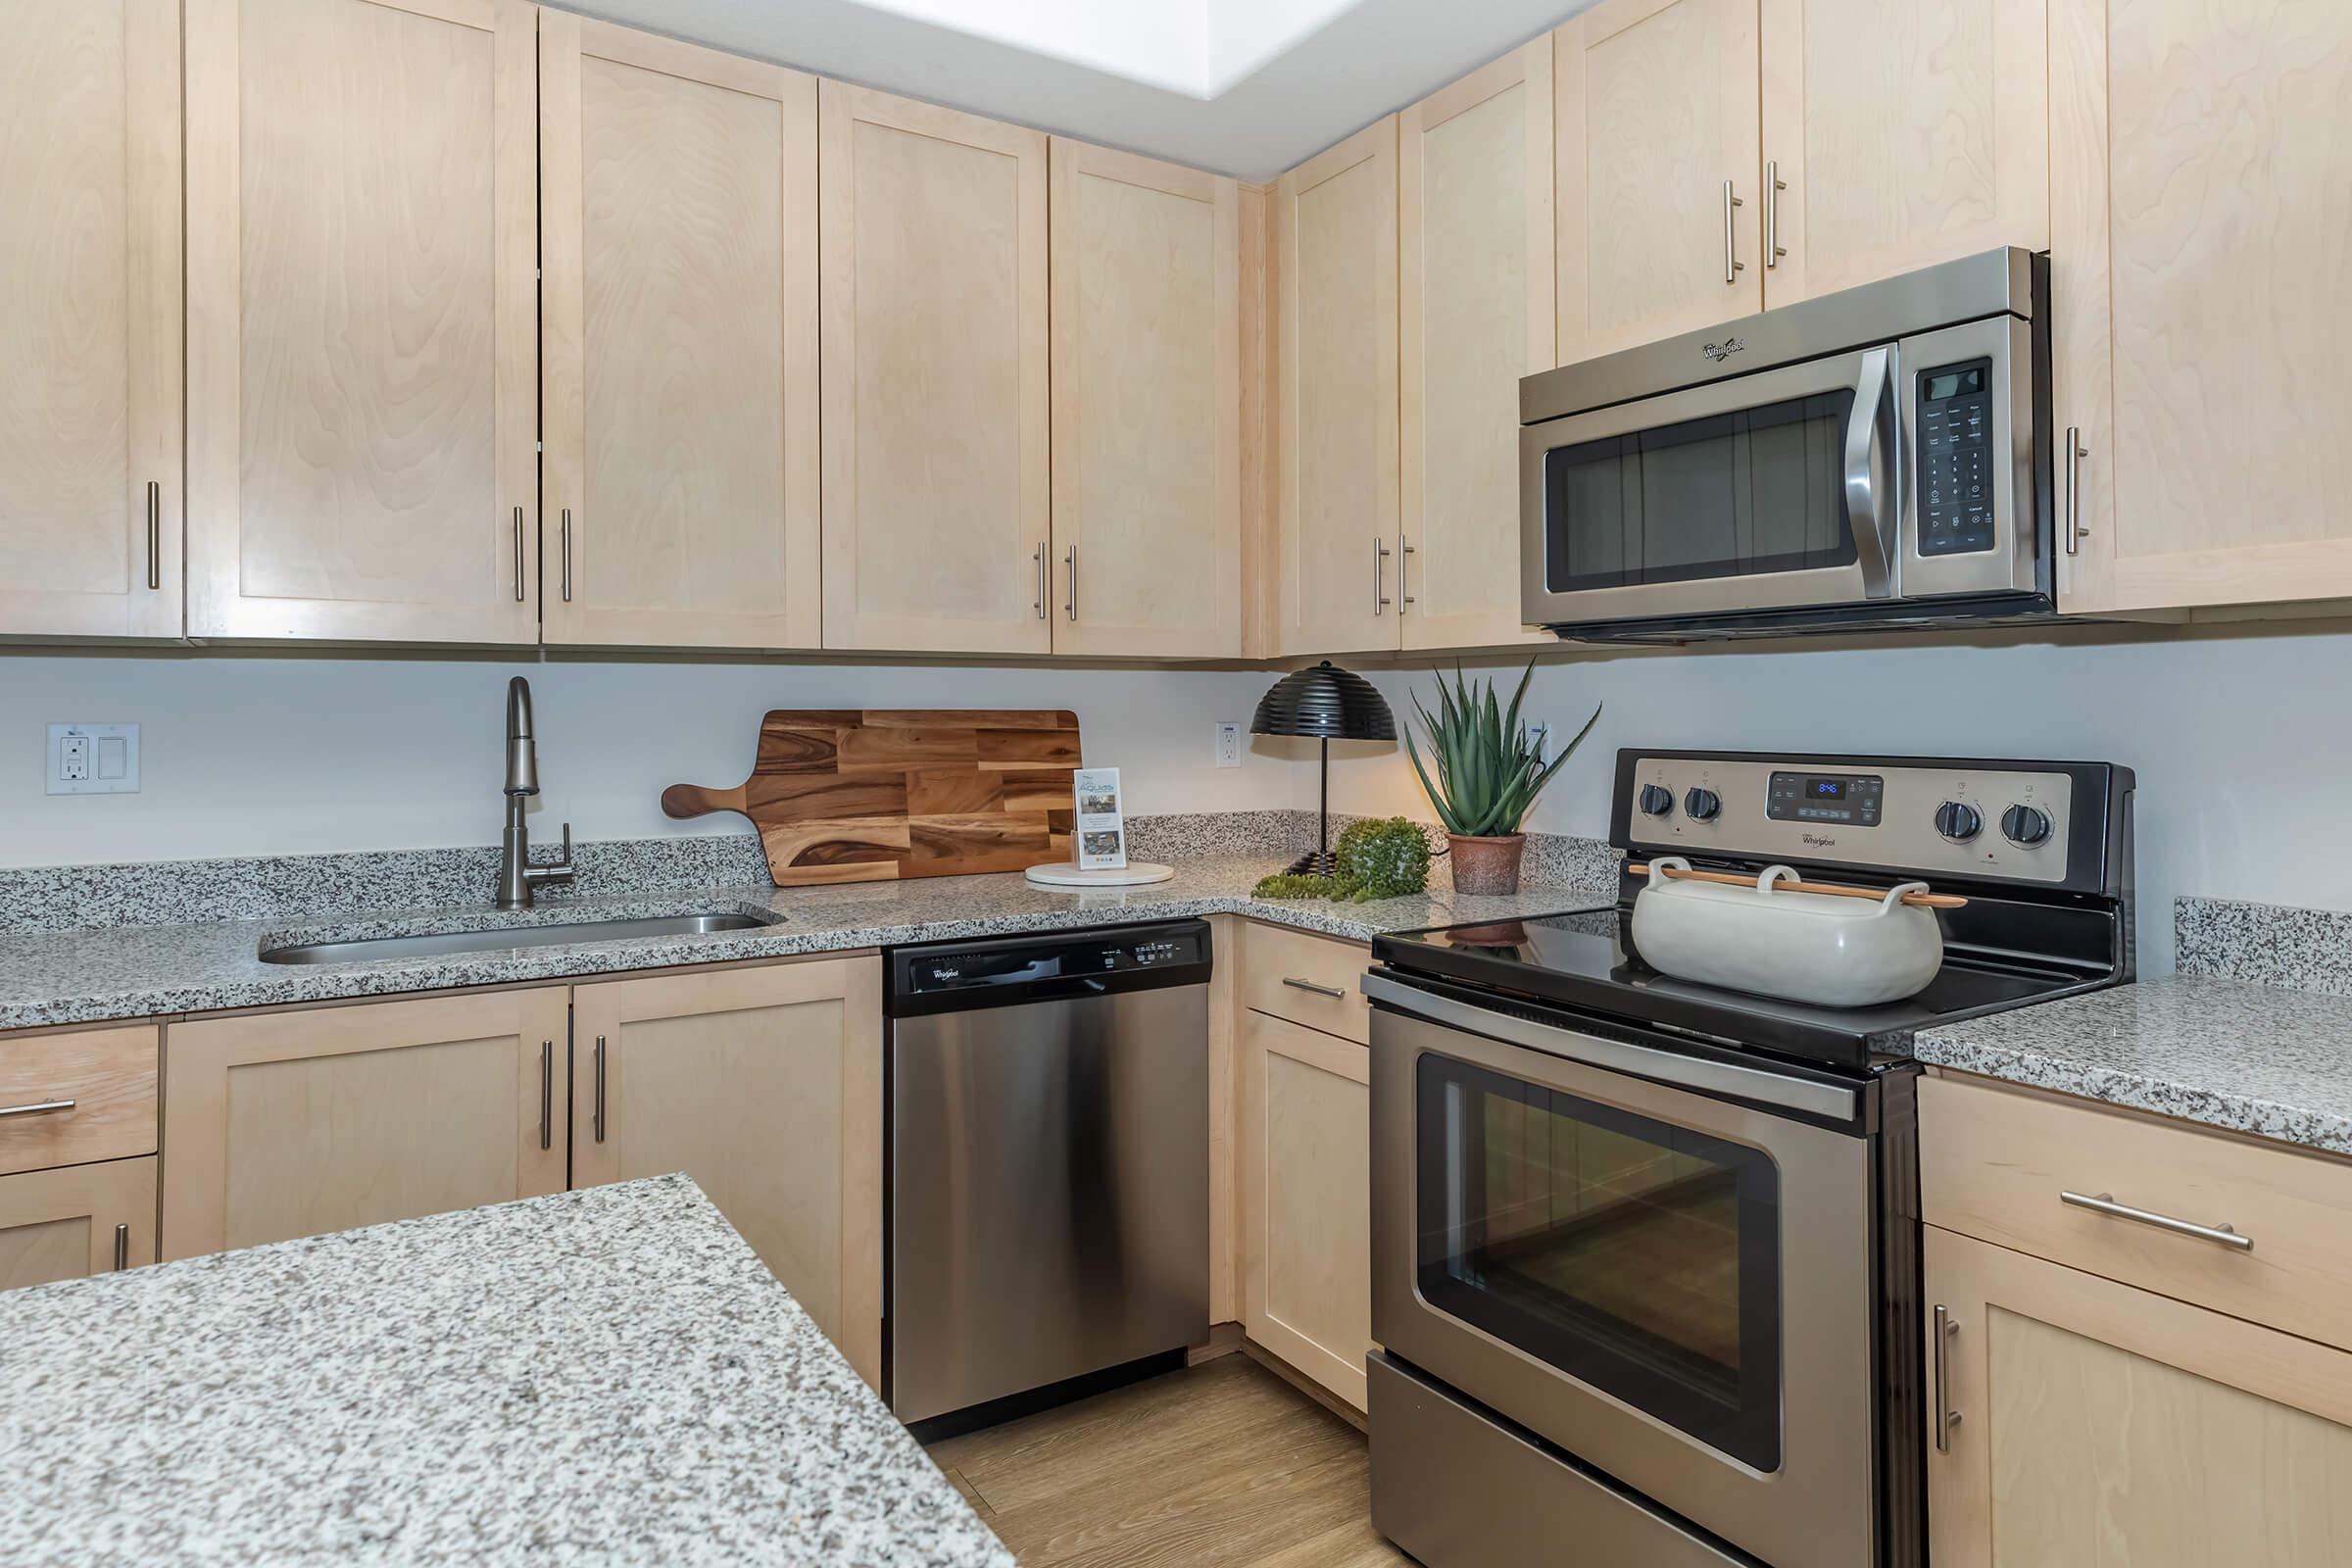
(1047, 1160)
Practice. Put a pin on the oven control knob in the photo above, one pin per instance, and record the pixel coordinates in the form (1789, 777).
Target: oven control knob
(1658, 801)
(2024, 825)
(1702, 806)
(1958, 822)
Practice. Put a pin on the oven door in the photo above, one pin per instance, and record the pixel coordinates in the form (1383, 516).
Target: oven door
(1672, 1284)
(1772, 491)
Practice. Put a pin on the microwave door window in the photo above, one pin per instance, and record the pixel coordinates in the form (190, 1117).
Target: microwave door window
(1754, 493)
(1640, 1258)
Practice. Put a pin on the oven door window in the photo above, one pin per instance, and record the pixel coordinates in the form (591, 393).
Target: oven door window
(1640, 1258)
(1735, 495)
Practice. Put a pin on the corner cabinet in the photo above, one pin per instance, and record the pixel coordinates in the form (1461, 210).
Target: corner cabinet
(1660, 220)
(362, 320)
(90, 321)
(1335, 241)
(936, 473)
(764, 1085)
(1147, 363)
(2202, 292)
(677, 228)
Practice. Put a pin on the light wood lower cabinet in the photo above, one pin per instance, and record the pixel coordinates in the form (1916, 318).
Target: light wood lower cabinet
(77, 1097)
(1306, 1199)
(2100, 1424)
(766, 1085)
(82, 1220)
(285, 1124)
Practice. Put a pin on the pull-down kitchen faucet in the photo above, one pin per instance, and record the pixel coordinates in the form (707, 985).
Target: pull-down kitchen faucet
(516, 875)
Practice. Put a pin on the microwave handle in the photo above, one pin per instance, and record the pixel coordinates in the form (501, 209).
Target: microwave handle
(1870, 498)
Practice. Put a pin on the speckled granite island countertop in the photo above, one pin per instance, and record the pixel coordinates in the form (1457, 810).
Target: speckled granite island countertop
(600, 1377)
(49, 978)
(2252, 1058)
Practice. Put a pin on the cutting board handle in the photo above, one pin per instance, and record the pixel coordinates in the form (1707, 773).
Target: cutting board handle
(693, 800)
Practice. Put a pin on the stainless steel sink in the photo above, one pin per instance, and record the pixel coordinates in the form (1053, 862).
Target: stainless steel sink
(508, 939)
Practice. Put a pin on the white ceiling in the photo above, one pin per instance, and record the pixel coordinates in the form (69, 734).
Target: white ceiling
(1247, 87)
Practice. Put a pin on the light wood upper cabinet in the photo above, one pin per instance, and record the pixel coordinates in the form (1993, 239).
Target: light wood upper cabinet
(91, 320)
(306, 1120)
(71, 1223)
(1904, 135)
(937, 500)
(361, 327)
(2201, 272)
(1657, 122)
(1147, 407)
(764, 1085)
(2104, 1424)
(1475, 220)
(679, 236)
(1334, 219)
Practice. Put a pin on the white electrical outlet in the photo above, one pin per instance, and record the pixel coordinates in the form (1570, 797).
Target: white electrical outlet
(1229, 743)
(1541, 733)
(93, 759)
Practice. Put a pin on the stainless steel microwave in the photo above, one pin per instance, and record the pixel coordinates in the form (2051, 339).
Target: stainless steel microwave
(1875, 458)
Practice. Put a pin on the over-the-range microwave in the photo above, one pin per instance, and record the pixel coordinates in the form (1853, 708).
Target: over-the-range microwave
(1876, 458)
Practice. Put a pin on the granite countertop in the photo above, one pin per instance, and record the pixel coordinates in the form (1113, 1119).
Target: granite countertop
(608, 1376)
(2251, 1058)
(49, 978)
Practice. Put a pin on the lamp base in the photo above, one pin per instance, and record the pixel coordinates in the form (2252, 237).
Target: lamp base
(1314, 862)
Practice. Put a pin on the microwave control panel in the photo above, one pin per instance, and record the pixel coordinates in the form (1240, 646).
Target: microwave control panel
(1954, 421)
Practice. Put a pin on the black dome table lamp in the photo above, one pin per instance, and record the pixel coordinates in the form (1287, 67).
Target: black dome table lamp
(1329, 703)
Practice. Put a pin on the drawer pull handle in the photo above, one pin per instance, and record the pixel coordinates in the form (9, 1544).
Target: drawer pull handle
(1297, 984)
(38, 1107)
(2105, 1204)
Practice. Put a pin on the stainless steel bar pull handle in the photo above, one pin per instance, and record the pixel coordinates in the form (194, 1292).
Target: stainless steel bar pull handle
(1069, 560)
(519, 554)
(2105, 1204)
(1774, 185)
(1380, 575)
(37, 1107)
(2076, 452)
(1038, 556)
(547, 1094)
(1946, 1417)
(600, 1089)
(565, 537)
(1733, 266)
(122, 1247)
(155, 534)
(1297, 984)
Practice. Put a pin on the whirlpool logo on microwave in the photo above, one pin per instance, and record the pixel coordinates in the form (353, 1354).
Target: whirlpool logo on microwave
(1720, 352)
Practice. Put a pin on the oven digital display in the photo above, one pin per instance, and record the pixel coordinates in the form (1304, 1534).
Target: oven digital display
(1826, 789)
(1849, 800)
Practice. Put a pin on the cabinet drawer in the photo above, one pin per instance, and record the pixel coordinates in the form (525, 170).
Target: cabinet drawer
(67, 1099)
(1309, 980)
(1993, 1163)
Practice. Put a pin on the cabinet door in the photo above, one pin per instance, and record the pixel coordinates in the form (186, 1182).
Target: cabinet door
(1475, 217)
(299, 1122)
(1901, 135)
(1147, 407)
(1657, 141)
(678, 208)
(91, 320)
(2103, 1424)
(2201, 274)
(71, 1223)
(1334, 219)
(937, 500)
(1306, 1199)
(766, 1085)
(363, 321)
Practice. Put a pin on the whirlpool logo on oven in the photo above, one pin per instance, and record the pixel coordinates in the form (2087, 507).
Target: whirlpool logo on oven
(1819, 841)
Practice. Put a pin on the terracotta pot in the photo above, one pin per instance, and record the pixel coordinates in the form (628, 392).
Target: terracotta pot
(1486, 866)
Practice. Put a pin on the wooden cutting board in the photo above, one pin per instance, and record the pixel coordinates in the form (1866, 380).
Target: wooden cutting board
(850, 795)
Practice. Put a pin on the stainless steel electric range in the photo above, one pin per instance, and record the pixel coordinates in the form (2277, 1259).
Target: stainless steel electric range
(1646, 1252)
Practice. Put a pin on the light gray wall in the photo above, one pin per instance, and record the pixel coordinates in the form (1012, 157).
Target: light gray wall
(2243, 740)
(244, 755)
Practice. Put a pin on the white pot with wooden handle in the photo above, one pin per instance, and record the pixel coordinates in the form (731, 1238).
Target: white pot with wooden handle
(1831, 951)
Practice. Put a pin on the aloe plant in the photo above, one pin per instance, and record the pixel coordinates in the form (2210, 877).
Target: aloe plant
(1489, 769)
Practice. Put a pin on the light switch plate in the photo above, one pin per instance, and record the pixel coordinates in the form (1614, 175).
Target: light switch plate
(93, 760)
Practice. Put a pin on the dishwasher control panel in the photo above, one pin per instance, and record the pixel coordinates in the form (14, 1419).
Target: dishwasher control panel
(1063, 964)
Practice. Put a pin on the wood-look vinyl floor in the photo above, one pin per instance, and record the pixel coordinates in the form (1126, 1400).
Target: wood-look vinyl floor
(1222, 1463)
